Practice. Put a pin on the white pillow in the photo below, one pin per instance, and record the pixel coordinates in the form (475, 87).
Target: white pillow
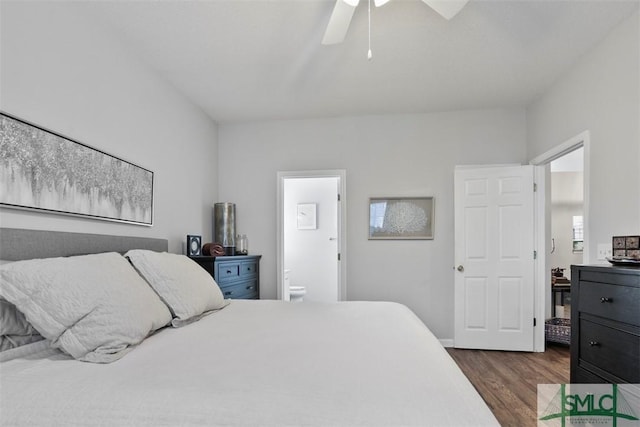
(93, 307)
(187, 289)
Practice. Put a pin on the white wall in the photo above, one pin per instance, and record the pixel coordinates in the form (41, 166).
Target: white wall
(310, 255)
(398, 155)
(63, 72)
(601, 93)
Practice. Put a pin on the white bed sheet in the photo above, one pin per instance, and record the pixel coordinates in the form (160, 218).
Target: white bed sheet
(256, 363)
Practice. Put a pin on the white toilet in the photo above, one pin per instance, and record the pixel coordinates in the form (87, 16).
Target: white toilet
(296, 293)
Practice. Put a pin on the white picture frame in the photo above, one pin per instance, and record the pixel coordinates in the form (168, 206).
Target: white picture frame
(307, 216)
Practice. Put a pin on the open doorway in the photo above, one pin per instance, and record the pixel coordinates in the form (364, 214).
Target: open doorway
(311, 243)
(545, 240)
(567, 227)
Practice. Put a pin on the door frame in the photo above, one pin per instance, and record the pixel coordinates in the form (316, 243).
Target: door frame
(542, 206)
(342, 228)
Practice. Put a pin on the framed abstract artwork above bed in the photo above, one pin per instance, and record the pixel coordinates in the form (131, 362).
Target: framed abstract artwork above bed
(45, 171)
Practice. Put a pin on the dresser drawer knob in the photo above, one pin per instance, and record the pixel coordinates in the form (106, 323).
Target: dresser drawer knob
(594, 343)
(605, 299)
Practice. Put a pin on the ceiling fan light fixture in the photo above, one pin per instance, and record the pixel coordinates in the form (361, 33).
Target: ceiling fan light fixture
(339, 22)
(343, 13)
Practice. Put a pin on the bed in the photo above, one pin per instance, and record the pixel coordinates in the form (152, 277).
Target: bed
(240, 363)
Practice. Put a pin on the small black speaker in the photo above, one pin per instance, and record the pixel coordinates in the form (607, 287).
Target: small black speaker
(194, 245)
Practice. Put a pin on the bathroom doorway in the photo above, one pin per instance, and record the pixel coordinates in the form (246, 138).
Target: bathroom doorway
(311, 243)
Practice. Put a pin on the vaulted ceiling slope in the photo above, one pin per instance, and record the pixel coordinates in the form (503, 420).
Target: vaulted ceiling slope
(261, 60)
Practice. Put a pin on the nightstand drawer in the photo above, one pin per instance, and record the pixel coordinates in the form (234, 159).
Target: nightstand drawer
(227, 271)
(238, 276)
(247, 290)
(612, 350)
(613, 302)
(248, 269)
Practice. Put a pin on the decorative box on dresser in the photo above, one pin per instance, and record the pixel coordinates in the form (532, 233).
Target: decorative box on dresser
(237, 276)
(605, 324)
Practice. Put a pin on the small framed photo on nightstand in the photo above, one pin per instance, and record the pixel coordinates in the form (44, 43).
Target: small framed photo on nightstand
(194, 245)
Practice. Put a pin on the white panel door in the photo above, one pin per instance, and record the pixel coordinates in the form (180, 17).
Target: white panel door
(494, 249)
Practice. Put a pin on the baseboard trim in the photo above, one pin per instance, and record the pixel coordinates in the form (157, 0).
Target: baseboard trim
(446, 342)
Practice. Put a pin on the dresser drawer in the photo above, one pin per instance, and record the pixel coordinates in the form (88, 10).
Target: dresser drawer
(584, 376)
(612, 350)
(227, 272)
(237, 276)
(246, 289)
(620, 303)
(248, 269)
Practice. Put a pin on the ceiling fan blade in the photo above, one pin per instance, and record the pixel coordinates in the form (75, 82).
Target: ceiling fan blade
(447, 8)
(339, 21)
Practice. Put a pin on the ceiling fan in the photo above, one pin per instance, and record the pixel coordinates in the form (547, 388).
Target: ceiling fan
(343, 12)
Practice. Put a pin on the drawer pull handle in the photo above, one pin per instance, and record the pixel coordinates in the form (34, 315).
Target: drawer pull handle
(605, 299)
(228, 271)
(594, 343)
(228, 293)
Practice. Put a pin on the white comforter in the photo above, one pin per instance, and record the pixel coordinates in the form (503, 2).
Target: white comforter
(256, 363)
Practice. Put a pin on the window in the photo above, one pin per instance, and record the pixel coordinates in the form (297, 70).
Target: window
(578, 233)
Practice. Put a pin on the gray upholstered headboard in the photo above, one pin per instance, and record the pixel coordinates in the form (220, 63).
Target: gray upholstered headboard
(18, 244)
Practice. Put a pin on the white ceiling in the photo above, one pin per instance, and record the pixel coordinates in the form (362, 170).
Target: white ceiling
(255, 60)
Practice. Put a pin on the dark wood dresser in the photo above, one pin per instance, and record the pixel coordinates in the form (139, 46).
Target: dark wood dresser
(605, 324)
(237, 276)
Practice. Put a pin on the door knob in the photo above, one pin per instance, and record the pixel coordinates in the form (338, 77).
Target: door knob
(460, 268)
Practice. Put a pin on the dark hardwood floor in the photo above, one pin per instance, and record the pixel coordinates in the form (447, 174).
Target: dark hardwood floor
(508, 380)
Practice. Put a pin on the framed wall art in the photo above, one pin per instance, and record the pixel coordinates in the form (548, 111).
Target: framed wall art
(44, 171)
(408, 218)
(307, 216)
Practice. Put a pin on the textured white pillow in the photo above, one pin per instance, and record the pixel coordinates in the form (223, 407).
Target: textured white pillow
(182, 284)
(93, 307)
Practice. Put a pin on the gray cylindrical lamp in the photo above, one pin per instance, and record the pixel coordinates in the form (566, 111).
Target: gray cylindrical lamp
(224, 233)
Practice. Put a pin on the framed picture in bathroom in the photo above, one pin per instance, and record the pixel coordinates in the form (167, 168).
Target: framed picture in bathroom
(307, 216)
